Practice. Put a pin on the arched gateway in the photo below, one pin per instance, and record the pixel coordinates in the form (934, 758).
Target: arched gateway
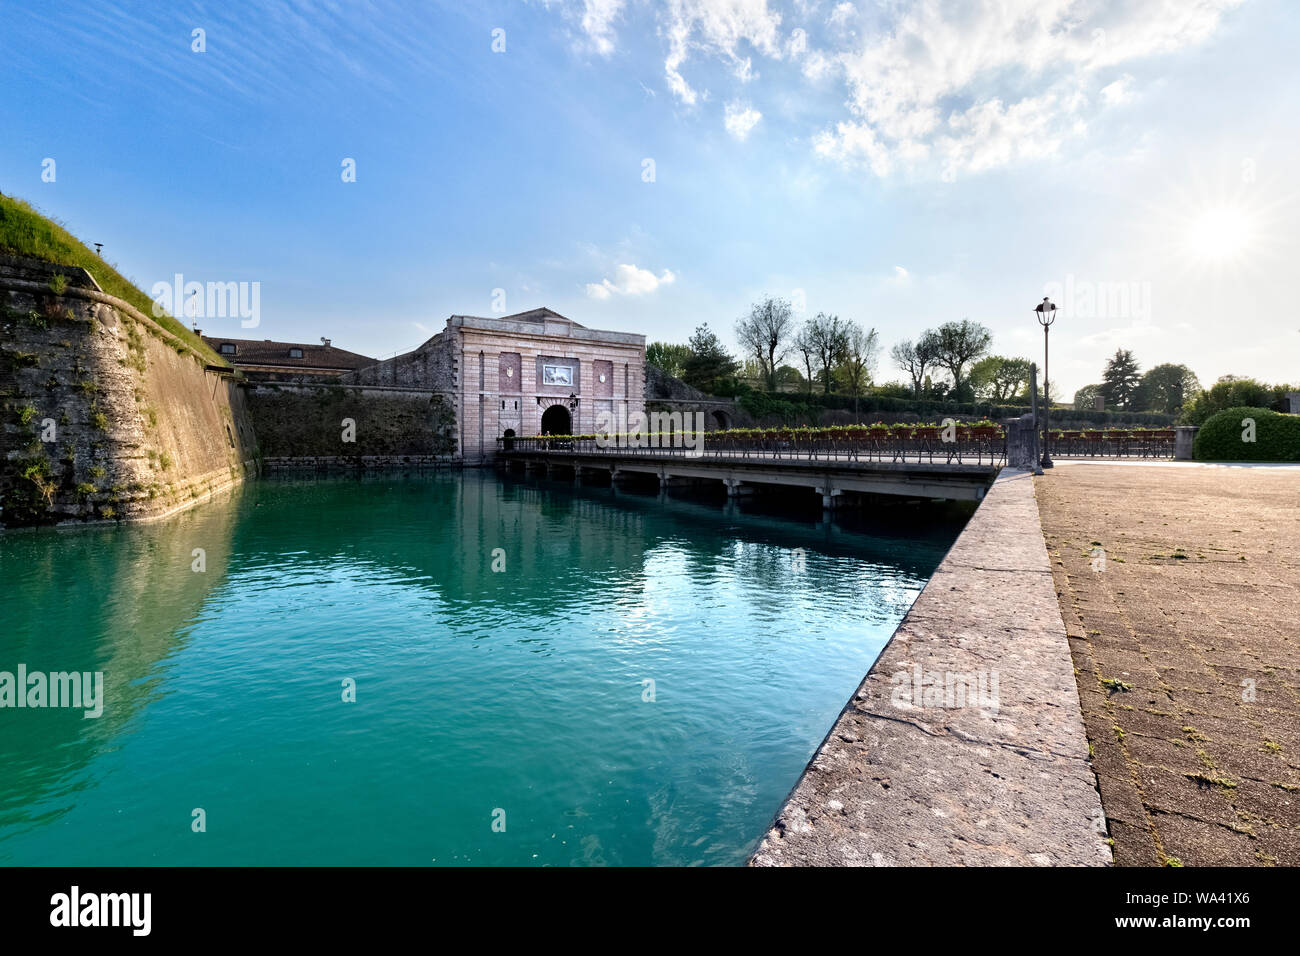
(557, 421)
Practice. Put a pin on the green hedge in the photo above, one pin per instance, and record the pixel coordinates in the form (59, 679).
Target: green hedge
(1277, 436)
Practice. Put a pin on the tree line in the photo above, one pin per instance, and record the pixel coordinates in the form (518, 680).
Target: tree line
(782, 356)
(1175, 390)
(839, 356)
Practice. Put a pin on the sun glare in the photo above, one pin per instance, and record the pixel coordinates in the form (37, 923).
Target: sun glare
(1220, 234)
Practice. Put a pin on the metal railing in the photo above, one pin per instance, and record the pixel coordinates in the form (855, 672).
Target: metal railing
(919, 446)
(1113, 443)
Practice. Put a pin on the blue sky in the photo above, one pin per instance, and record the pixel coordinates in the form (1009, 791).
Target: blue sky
(901, 164)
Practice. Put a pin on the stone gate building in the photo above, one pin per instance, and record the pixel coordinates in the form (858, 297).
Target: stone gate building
(530, 373)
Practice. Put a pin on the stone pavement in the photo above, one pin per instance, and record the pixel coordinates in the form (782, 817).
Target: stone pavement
(964, 744)
(1179, 585)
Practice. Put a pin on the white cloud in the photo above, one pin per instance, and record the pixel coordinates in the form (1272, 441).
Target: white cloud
(995, 82)
(933, 87)
(853, 140)
(817, 66)
(629, 280)
(1119, 92)
(841, 15)
(740, 119)
(597, 22)
(718, 28)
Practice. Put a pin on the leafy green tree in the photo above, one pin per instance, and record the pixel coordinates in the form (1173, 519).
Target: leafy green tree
(998, 378)
(669, 357)
(1085, 399)
(789, 379)
(893, 390)
(959, 344)
(709, 367)
(1023, 397)
(1120, 380)
(1233, 392)
(1165, 388)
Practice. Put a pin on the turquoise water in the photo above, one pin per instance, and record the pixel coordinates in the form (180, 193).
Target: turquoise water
(515, 697)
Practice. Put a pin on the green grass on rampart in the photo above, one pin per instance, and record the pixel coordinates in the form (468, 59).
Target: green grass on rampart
(25, 232)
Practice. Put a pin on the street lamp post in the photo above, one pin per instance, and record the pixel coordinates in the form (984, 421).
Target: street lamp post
(1046, 311)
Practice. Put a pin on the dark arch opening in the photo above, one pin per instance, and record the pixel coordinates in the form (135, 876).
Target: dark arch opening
(556, 421)
(720, 419)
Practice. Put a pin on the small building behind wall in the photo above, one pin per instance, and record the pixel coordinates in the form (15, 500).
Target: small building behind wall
(287, 362)
(522, 374)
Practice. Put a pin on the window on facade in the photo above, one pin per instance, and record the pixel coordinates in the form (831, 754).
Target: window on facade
(557, 375)
(295, 353)
(227, 348)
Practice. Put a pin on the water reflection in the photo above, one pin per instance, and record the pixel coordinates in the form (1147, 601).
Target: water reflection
(521, 688)
(118, 600)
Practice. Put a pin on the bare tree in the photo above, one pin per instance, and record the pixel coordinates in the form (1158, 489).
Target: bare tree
(861, 350)
(917, 359)
(807, 347)
(765, 334)
(828, 337)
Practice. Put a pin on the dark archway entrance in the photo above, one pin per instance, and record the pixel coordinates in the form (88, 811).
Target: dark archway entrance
(556, 421)
(720, 419)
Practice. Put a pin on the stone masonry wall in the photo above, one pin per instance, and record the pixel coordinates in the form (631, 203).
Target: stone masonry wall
(103, 413)
(310, 421)
(432, 366)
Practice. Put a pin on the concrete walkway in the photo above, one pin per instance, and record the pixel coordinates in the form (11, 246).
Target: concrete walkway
(964, 744)
(1180, 589)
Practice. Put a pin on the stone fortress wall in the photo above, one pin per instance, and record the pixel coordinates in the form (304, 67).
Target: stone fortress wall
(104, 414)
(108, 416)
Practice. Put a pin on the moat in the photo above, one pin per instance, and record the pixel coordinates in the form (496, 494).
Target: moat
(543, 674)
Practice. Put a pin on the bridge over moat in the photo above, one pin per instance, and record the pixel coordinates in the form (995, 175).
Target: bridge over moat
(961, 471)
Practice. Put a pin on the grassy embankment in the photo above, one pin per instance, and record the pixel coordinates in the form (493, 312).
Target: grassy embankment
(25, 232)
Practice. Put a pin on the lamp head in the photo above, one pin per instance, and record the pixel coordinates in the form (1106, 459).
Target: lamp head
(1046, 312)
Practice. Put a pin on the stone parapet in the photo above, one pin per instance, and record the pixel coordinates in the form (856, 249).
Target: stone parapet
(965, 744)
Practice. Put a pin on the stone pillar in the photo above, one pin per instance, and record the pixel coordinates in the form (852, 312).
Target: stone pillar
(1021, 444)
(736, 488)
(1184, 436)
(830, 498)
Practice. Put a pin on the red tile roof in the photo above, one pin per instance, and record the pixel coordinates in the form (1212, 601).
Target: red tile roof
(267, 352)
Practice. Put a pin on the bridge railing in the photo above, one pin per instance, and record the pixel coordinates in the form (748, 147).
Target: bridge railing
(1113, 443)
(922, 445)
